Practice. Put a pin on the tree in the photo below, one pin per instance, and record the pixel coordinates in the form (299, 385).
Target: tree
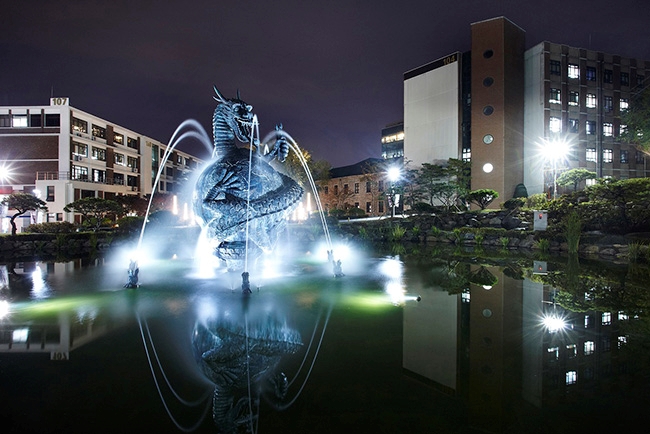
(22, 202)
(94, 210)
(444, 183)
(637, 120)
(575, 177)
(482, 197)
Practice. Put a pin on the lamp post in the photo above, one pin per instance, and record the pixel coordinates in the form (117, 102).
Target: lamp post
(393, 176)
(554, 151)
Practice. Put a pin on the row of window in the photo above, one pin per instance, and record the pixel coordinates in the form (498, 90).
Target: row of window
(31, 120)
(81, 173)
(346, 188)
(591, 155)
(81, 127)
(80, 150)
(555, 97)
(555, 126)
(573, 72)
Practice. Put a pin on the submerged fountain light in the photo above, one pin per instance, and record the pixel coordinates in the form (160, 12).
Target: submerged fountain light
(4, 309)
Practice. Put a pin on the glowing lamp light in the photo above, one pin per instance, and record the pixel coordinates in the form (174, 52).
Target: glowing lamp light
(554, 323)
(393, 174)
(5, 173)
(488, 167)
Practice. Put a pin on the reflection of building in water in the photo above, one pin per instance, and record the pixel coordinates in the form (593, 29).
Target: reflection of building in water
(490, 347)
(579, 356)
(495, 347)
(58, 326)
(431, 335)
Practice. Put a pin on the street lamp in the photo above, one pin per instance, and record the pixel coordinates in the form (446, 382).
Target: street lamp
(5, 173)
(555, 151)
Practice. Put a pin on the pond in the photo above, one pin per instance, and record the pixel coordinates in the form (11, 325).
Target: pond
(410, 340)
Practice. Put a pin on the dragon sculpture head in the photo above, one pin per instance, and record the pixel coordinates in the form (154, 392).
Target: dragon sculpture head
(241, 219)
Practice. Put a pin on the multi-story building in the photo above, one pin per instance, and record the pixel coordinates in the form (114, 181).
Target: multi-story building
(362, 185)
(63, 154)
(392, 142)
(522, 116)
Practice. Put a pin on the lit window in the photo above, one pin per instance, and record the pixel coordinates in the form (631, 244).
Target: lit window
(606, 318)
(591, 154)
(555, 125)
(622, 130)
(119, 159)
(624, 156)
(574, 125)
(19, 121)
(573, 71)
(119, 139)
(356, 187)
(590, 182)
(591, 73)
(555, 67)
(624, 104)
(99, 154)
(554, 96)
(622, 340)
(79, 125)
(571, 377)
(554, 353)
(574, 98)
(20, 335)
(590, 127)
(589, 348)
(588, 321)
(608, 129)
(623, 316)
(467, 154)
(608, 155)
(99, 132)
(590, 102)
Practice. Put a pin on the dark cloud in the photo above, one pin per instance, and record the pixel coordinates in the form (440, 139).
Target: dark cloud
(330, 71)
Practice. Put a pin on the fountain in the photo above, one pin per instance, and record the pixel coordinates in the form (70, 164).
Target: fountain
(241, 203)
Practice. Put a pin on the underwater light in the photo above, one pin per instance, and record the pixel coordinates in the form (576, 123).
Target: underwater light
(4, 308)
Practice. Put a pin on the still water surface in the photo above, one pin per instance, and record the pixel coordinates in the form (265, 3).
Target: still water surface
(488, 348)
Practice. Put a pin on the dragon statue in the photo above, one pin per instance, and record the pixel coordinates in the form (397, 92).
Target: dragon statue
(231, 210)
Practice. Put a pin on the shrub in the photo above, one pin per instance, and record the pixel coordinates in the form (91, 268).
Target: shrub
(51, 228)
(573, 228)
(423, 207)
(514, 203)
(397, 233)
(537, 201)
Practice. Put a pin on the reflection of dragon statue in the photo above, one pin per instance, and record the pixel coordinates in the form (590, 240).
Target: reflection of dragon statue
(235, 358)
(225, 203)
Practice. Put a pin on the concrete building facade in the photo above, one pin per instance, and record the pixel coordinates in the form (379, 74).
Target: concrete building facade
(503, 107)
(62, 154)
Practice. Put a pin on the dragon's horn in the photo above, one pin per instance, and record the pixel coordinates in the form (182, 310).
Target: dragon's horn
(219, 97)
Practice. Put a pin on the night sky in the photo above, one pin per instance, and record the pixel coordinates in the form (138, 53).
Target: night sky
(330, 71)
